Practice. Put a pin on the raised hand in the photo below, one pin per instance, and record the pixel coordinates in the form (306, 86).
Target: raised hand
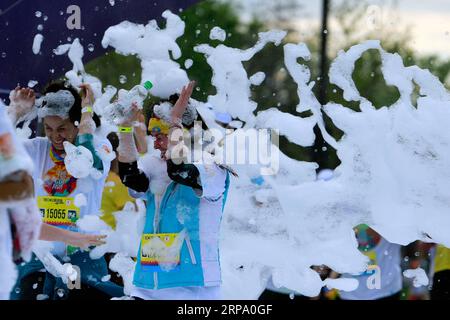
(182, 102)
(87, 95)
(127, 149)
(132, 116)
(140, 133)
(22, 101)
(87, 125)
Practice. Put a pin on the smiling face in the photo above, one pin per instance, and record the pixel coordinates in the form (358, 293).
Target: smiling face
(59, 130)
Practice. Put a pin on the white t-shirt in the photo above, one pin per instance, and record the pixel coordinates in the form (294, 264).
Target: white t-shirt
(90, 188)
(210, 211)
(381, 281)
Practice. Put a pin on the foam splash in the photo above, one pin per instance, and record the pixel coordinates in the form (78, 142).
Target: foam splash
(230, 77)
(393, 174)
(392, 177)
(127, 235)
(37, 42)
(64, 271)
(217, 33)
(418, 275)
(156, 48)
(56, 104)
(164, 254)
(78, 75)
(79, 162)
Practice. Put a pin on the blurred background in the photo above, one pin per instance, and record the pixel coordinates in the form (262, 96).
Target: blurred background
(418, 30)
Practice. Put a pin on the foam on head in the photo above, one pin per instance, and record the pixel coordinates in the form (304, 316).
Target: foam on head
(56, 104)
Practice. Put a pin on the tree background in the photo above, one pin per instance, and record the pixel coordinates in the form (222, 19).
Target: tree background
(278, 89)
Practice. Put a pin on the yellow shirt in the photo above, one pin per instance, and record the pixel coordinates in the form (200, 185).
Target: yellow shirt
(442, 259)
(115, 196)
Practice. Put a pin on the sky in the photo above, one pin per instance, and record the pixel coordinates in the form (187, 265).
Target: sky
(428, 21)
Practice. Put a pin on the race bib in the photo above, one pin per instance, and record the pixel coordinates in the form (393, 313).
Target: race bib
(58, 211)
(160, 252)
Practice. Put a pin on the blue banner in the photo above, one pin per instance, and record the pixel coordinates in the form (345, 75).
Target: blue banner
(60, 22)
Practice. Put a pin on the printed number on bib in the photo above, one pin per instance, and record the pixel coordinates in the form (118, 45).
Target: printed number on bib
(58, 211)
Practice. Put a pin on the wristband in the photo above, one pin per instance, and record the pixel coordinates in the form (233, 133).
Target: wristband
(87, 109)
(126, 129)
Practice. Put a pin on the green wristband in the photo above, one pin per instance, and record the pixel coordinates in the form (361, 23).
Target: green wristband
(87, 109)
(125, 129)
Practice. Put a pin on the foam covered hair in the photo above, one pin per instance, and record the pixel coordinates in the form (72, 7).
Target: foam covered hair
(56, 104)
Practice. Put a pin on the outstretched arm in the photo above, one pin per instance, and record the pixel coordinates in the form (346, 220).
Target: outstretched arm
(180, 106)
(127, 149)
(140, 134)
(176, 149)
(76, 239)
(87, 124)
(129, 173)
(85, 136)
(186, 174)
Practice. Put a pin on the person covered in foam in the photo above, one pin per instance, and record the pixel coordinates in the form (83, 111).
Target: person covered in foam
(18, 208)
(68, 121)
(16, 188)
(179, 253)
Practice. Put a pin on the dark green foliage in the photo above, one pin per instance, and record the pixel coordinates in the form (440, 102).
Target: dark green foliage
(278, 89)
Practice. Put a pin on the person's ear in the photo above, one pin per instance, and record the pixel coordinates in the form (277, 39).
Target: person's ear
(75, 131)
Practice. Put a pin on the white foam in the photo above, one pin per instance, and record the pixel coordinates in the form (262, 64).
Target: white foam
(37, 42)
(156, 48)
(217, 33)
(418, 275)
(230, 78)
